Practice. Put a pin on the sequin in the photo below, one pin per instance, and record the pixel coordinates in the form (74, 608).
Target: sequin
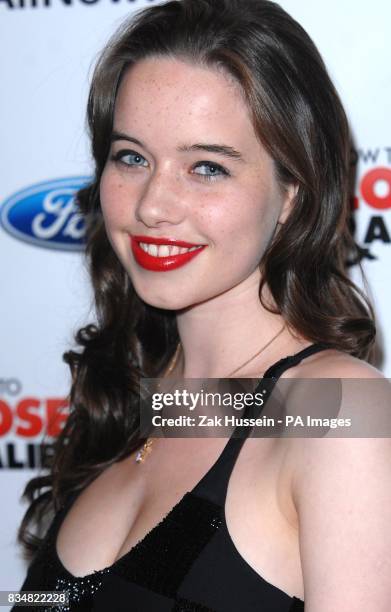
(80, 590)
(158, 562)
(164, 556)
(184, 605)
(162, 561)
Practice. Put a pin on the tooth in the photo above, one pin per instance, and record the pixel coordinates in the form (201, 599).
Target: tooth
(163, 250)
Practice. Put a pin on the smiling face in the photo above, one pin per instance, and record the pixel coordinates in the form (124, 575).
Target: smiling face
(186, 166)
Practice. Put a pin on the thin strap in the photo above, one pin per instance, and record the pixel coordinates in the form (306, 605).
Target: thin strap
(285, 363)
(215, 482)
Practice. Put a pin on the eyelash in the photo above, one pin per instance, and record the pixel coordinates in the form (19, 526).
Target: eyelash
(118, 157)
(222, 172)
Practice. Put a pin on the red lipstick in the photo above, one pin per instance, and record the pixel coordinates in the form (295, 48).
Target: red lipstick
(162, 264)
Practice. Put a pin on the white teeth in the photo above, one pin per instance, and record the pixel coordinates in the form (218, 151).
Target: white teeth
(164, 250)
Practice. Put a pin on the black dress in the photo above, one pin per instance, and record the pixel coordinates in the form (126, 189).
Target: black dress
(186, 563)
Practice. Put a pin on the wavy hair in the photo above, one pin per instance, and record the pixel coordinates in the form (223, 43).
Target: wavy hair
(299, 118)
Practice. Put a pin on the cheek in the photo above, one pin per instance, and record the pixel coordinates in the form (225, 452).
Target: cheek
(244, 228)
(113, 199)
(241, 219)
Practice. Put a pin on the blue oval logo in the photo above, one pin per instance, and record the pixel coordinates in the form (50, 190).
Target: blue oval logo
(46, 215)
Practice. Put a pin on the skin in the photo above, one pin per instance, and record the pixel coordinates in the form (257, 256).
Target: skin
(169, 104)
(311, 516)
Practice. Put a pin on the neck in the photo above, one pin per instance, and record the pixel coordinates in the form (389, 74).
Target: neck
(219, 335)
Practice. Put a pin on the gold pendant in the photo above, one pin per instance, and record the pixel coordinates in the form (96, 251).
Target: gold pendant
(143, 452)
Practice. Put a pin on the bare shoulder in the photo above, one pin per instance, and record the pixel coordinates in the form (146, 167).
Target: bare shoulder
(332, 363)
(334, 385)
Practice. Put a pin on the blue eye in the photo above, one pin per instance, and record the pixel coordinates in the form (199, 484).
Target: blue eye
(210, 170)
(130, 158)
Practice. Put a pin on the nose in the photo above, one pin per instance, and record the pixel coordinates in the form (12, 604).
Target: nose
(161, 200)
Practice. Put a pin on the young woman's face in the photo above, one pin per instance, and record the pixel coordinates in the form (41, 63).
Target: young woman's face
(186, 166)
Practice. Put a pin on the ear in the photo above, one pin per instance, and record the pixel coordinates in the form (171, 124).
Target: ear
(290, 193)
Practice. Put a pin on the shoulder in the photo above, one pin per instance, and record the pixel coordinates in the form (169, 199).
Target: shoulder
(332, 363)
(333, 384)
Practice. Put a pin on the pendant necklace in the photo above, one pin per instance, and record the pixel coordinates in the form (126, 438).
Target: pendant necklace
(147, 446)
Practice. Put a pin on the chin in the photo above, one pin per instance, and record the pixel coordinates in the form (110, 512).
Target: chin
(161, 300)
(167, 299)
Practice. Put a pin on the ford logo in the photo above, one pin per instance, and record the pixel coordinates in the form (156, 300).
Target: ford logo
(46, 214)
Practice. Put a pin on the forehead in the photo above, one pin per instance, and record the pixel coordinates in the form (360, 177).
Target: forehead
(176, 80)
(173, 99)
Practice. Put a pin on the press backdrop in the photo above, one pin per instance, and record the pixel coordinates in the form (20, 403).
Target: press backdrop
(48, 48)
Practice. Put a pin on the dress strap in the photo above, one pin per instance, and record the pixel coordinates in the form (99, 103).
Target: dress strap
(214, 484)
(285, 363)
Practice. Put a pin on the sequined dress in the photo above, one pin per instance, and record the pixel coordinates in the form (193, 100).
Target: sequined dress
(186, 563)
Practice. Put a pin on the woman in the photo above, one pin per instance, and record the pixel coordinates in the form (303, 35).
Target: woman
(217, 235)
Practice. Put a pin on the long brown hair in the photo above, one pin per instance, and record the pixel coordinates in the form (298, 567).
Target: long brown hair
(299, 118)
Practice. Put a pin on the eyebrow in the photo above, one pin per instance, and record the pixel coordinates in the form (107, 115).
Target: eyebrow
(220, 149)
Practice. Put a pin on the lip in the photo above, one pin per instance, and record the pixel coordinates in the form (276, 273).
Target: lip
(173, 241)
(162, 264)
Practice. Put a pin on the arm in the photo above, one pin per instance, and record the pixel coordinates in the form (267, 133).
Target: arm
(342, 493)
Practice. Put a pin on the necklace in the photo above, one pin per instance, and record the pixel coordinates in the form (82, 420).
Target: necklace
(147, 446)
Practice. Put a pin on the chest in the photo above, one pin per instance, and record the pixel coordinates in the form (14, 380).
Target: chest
(127, 501)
